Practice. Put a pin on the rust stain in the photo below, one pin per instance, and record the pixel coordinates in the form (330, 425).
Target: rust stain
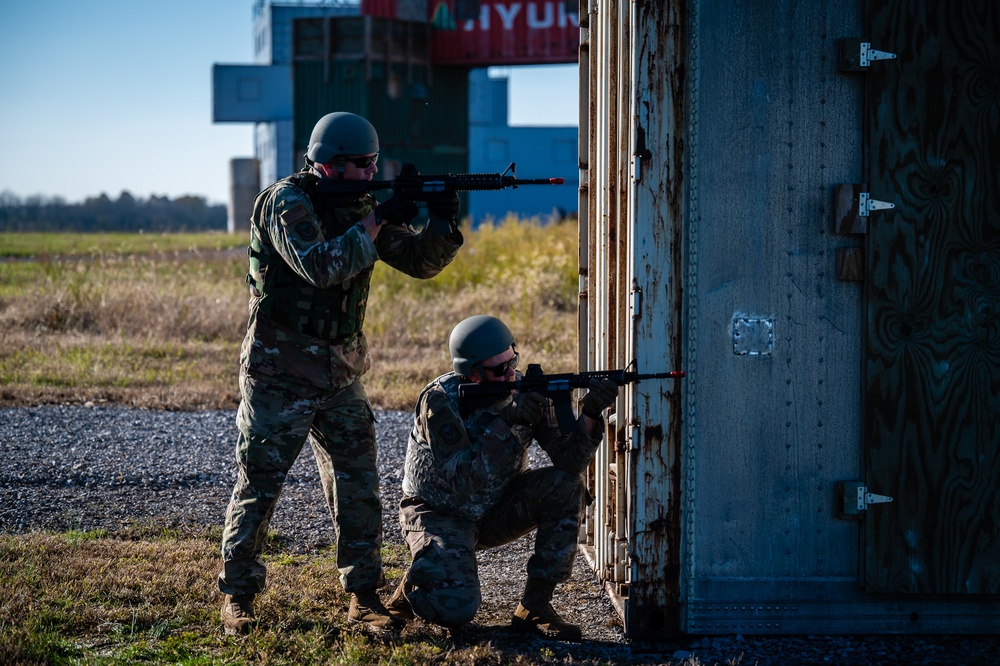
(660, 135)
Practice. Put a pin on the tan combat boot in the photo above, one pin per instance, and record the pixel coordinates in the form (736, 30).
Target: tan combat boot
(237, 614)
(399, 605)
(535, 613)
(366, 607)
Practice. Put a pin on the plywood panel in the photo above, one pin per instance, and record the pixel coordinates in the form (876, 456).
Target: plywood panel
(933, 300)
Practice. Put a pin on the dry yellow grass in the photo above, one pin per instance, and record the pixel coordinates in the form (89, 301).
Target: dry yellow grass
(158, 325)
(113, 321)
(143, 596)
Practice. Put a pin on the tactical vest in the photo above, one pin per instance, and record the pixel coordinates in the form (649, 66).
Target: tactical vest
(334, 313)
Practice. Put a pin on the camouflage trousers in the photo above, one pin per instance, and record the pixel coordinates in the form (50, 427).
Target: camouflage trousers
(274, 421)
(442, 584)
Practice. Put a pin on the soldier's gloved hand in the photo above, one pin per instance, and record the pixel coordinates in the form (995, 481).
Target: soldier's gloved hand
(526, 409)
(601, 394)
(397, 210)
(444, 203)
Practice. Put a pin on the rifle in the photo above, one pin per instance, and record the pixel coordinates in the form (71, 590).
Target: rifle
(417, 187)
(558, 387)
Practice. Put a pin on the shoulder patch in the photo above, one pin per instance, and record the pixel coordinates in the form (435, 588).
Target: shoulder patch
(306, 230)
(449, 433)
(293, 214)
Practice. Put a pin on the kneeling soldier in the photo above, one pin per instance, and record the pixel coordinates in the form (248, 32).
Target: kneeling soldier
(467, 486)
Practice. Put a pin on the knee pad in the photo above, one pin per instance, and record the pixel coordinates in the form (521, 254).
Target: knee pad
(448, 606)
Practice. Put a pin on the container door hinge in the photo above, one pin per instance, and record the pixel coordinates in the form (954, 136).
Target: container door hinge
(852, 205)
(868, 205)
(857, 55)
(855, 499)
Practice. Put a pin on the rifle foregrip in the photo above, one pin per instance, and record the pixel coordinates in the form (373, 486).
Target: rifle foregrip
(487, 390)
(474, 182)
(467, 182)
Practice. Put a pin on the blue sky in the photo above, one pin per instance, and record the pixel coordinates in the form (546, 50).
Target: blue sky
(116, 95)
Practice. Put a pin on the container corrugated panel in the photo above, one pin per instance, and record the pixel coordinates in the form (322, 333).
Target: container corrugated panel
(707, 217)
(347, 90)
(384, 8)
(717, 132)
(531, 32)
(406, 10)
(425, 123)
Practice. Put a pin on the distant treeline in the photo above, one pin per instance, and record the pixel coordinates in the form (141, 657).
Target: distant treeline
(156, 214)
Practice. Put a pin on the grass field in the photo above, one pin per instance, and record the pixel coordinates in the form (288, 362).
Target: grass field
(140, 597)
(156, 321)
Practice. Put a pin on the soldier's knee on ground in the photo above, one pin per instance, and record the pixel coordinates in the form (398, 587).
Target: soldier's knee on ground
(446, 606)
(440, 597)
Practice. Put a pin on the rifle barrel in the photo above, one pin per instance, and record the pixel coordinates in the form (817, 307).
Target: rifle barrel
(540, 181)
(673, 374)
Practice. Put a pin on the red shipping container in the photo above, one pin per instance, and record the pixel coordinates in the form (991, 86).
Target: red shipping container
(380, 8)
(527, 32)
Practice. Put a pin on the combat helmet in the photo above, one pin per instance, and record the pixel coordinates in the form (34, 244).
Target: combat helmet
(341, 133)
(476, 339)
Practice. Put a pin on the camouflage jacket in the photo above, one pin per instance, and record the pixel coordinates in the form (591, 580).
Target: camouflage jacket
(286, 227)
(462, 466)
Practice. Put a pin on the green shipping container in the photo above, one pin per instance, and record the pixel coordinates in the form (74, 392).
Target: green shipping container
(380, 69)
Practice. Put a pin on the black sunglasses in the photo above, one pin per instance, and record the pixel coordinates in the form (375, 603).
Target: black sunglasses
(362, 162)
(500, 370)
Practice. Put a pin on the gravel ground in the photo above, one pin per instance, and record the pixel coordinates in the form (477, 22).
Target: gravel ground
(83, 468)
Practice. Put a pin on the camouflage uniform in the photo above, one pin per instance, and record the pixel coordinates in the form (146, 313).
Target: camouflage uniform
(300, 368)
(467, 487)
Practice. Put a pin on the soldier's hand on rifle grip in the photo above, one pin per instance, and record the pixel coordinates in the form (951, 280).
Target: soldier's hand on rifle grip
(601, 394)
(525, 409)
(444, 203)
(397, 210)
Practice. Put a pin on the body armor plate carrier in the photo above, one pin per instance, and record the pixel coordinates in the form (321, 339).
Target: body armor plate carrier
(334, 313)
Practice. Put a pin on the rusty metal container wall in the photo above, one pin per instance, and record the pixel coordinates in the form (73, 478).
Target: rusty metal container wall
(583, 208)
(655, 177)
(717, 134)
(607, 292)
(721, 169)
(619, 131)
(634, 292)
(602, 514)
(605, 283)
(591, 533)
(691, 194)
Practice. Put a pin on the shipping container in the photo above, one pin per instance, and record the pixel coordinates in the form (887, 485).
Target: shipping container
(798, 204)
(377, 58)
(488, 33)
(381, 69)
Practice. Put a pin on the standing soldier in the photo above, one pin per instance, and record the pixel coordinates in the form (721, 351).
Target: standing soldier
(304, 353)
(467, 486)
